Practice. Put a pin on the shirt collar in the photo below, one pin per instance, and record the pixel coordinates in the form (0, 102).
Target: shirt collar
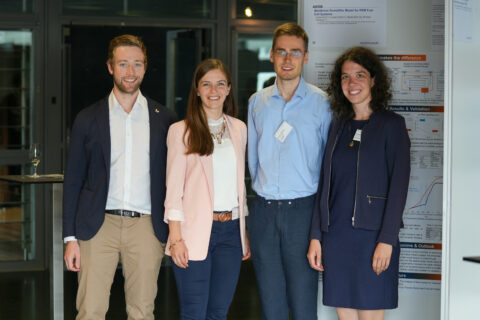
(300, 92)
(140, 103)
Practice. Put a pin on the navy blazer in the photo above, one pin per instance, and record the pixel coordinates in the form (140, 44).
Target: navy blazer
(87, 172)
(383, 174)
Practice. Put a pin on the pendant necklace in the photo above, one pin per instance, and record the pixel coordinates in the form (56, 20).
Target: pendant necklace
(352, 143)
(219, 135)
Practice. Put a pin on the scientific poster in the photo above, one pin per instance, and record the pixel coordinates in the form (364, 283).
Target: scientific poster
(421, 237)
(417, 94)
(346, 23)
(463, 20)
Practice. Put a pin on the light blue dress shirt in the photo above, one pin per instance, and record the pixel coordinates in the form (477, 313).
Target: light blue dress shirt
(288, 169)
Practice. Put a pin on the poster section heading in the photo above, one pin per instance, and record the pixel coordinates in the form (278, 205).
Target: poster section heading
(360, 23)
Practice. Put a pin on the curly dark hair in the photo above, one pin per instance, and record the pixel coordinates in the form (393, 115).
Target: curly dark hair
(381, 91)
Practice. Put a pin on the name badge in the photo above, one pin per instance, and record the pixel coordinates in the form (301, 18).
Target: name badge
(283, 131)
(358, 135)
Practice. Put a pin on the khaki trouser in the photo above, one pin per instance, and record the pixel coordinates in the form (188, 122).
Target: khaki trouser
(133, 242)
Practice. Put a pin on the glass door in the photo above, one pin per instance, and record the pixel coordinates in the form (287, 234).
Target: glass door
(183, 55)
(17, 221)
(254, 70)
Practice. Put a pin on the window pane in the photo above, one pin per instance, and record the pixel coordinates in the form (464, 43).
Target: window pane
(202, 9)
(15, 89)
(255, 71)
(16, 6)
(16, 221)
(267, 9)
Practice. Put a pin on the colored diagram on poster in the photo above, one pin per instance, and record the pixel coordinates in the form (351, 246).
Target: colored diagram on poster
(417, 79)
(425, 127)
(421, 236)
(425, 199)
(423, 211)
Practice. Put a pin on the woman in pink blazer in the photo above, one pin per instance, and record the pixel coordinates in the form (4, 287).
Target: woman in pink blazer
(205, 206)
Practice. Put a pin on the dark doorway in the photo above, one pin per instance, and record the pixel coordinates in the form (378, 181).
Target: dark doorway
(173, 54)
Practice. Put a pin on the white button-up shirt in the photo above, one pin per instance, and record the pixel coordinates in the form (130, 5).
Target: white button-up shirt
(129, 186)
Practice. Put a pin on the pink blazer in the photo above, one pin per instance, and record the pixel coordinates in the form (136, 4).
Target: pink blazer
(190, 187)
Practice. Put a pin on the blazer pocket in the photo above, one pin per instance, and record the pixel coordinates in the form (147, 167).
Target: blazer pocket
(371, 198)
(376, 209)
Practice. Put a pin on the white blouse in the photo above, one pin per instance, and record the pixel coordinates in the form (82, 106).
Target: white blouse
(225, 191)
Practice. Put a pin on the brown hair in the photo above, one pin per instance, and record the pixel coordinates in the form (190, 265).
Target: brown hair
(381, 91)
(199, 139)
(129, 41)
(290, 29)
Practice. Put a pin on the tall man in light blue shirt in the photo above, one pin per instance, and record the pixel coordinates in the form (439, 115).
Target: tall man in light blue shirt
(287, 131)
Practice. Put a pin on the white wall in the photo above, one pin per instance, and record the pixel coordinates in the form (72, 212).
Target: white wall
(461, 279)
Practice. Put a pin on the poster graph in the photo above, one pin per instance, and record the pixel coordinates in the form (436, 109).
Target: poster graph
(421, 237)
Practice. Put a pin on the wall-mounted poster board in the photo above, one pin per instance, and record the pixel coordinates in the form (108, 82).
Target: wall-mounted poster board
(408, 36)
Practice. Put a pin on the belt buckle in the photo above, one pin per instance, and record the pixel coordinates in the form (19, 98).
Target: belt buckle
(223, 216)
(127, 213)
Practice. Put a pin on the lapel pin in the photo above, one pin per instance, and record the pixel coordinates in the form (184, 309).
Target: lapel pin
(157, 111)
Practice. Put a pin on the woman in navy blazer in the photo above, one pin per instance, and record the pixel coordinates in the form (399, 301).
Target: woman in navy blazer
(362, 191)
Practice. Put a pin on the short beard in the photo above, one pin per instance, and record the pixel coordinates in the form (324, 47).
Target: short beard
(123, 89)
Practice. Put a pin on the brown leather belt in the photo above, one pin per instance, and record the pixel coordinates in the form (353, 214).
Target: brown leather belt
(124, 213)
(222, 216)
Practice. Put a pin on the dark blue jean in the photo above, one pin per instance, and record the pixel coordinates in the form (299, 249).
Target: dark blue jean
(279, 240)
(206, 288)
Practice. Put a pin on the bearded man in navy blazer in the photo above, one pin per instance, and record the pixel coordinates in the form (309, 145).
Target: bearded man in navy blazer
(115, 189)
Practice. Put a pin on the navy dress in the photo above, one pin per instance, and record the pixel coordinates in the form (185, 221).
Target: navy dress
(349, 280)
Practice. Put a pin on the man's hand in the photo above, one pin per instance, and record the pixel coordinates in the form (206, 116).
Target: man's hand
(381, 257)
(314, 255)
(72, 256)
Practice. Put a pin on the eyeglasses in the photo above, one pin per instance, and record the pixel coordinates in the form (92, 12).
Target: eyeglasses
(291, 54)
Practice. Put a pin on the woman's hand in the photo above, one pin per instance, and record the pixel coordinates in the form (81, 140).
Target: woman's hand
(178, 249)
(381, 257)
(179, 253)
(248, 253)
(314, 255)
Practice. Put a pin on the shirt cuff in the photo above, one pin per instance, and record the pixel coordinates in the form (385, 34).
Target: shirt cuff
(69, 238)
(316, 234)
(173, 215)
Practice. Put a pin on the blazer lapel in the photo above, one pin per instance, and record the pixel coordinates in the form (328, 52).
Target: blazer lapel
(207, 164)
(103, 123)
(154, 134)
(236, 138)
